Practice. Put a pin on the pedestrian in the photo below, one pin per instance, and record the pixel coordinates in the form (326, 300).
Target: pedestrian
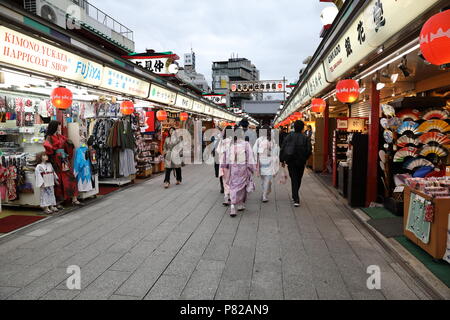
(309, 132)
(239, 166)
(295, 151)
(283, 135)
(224, 144)
(172, 161)
(267, 155)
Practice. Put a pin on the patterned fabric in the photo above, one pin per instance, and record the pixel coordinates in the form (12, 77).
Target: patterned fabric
(82, 169)
(47, 197)
(416, 218)
(11, 186)
(447, 253)
(3, 179)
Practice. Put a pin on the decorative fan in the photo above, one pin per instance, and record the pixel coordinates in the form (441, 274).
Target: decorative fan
(416, 163)
(404, 153)
(384, 123)
(382, 155)
(405, 141)
(433, 150)
(388, 136)
(409, 115)
(409, 127)
(433, 138)
(388, 110)
(434, 125)
(382, 166)
(436, 114)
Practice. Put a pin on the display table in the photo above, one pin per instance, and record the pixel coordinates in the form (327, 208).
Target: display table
(439, 227)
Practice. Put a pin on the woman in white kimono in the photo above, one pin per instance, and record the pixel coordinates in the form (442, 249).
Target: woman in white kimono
(239, 166)
(267, 155)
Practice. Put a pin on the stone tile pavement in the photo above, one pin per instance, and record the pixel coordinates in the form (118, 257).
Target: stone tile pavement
(149, 243)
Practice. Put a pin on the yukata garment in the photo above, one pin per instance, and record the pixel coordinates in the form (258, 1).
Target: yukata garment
(60, 154)
(240, 165)
(45, 175)
(267, 155)
(416, 219)
(48, 197)
(127, 163)
(82, 170)
(223, 145)
(11, 186)
(3, 179)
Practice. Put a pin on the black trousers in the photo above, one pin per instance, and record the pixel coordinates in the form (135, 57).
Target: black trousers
(296, 173)
(177, 173)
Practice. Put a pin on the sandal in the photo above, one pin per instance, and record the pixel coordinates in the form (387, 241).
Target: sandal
(48, 211)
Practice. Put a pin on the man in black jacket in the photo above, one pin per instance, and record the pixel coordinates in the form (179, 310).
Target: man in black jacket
(295, 151)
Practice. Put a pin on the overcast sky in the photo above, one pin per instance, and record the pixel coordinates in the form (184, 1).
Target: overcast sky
(276, 35)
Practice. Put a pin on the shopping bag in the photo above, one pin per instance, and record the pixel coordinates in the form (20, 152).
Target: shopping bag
(283, 176)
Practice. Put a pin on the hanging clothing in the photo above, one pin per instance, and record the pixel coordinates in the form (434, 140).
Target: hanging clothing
(127, 163)
(60, 154)
(82, 169)
(3, 179)
(239, 164)
(11, 186)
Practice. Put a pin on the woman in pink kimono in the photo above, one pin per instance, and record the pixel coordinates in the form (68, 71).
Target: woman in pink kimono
(238, 164)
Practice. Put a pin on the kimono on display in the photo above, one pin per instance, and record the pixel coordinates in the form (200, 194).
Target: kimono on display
(82, 169)
(45, 179)
(60, 153)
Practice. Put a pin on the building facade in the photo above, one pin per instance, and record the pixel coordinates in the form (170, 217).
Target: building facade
(190, 75)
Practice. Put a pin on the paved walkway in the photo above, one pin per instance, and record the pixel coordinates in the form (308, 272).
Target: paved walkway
(148, 243)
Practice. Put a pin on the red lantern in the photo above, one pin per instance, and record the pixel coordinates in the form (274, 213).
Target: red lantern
(127, 107)
(184, 116)
(298, 115)
(61, 98)
(435, 39)
(292, 118)
(161, 115)
(318, 105)
(347, 91)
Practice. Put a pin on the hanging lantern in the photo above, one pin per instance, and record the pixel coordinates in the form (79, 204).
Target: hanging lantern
(127, 107)
(184, 116)
(298, 115)
(292, 118)
(161, 115)
(318, 105)
(61, 98)
(435, 39)
(347, 91)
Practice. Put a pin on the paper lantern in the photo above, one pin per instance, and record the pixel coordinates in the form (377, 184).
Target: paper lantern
(127, 108)
(61, 98)
(292, 118)
(435, 39)
(298, 115)
(184, 116)
(161, 115)
(347, 91)
(318, 105)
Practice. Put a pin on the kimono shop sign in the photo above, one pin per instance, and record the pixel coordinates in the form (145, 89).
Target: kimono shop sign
(124, 83)
(378, 22)
(26, 52)
(161, 95)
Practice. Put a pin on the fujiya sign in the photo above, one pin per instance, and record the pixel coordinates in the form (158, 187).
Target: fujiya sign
(23, 51)
(380, 20)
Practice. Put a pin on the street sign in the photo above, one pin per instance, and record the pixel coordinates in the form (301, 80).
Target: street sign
(258, 86)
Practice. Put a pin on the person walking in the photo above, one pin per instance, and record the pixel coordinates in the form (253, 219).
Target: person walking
(309, 132)
(239, 166)
(221, 143)
(295, 151)
(267, 155)
(171, 160)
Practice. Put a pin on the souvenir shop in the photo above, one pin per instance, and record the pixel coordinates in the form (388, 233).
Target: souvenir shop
(386, 114)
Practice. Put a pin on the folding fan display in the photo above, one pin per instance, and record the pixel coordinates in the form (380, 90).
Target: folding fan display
(404, 153)
(409, 115)
(409, 127)
(434, 125)
(416, 163)
(405, 141)
(434, 138)
(436, 114)
(433, 150)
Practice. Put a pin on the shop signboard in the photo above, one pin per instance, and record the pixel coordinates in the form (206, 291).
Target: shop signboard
(198, 107)
(379, 21)
(342, 124)
(22, 51)
(257, 86)
(317, 82)
(217, 99)
(124, 83)
(162, 95)
(183, 102)
(160, 65)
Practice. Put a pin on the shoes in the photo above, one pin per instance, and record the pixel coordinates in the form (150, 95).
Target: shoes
(265, 200)
(297, 204)
(48, 211)
(241, 207)
(178, 183)
(166, 185)
(226, 201)
(60, 207)
(222, 191)
(78, 203)
(54, 209)
(233, 212)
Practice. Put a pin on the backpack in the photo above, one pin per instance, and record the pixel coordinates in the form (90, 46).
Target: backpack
(293, 151)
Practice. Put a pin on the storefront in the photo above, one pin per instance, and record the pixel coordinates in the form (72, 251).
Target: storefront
(385, 125)
(31, 68)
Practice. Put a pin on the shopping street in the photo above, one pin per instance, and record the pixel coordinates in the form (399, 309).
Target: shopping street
(148, 243)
